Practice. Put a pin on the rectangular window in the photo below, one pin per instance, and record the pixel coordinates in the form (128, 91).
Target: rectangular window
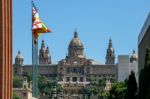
(81, 79)
(24, 94)
(68, 70)
(74, 79)
(68, 79)
(87, 79)
(88, 70)
(15, 70)
(74, 70)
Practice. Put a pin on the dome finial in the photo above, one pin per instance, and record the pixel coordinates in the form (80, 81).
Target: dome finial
(19, 52)
(75, 34)
(75, 29)
(110, 43)
(110, 39)
(134, 51)
(43, 44)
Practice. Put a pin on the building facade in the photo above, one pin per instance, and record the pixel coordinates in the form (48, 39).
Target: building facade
(123, 67)
(25, 92)
(126, 64)
(143, 42)
(75, 70)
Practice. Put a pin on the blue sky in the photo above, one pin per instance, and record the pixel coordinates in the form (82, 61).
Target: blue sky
(95, 20)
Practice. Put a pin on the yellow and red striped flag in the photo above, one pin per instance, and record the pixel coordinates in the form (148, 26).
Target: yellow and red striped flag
(38, 27)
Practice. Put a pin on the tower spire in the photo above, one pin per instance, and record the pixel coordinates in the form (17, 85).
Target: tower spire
(44, 54)
(19, 52)
(43, 44)
(75, 34)
(19, 58)
(110, 56)
(110, 43)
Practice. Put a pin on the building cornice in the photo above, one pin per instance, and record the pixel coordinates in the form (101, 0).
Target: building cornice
(144, 29)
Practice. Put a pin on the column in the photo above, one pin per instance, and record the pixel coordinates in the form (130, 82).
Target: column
(70, 79)
(78, 79)
(84, 78)
(6, 49)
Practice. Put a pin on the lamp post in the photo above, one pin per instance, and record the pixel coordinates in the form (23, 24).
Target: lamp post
(54, 95)
(61, 94)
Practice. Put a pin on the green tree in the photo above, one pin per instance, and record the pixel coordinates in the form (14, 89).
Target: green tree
(101, 82)
(46, 86)
(118, 91)
(144, 79)
(15, 96)
(17, 81)
(103, 94)
(43, 84)
(93, 82)
(95, 90)
(131, 86)
(29, 76)
(86, 91)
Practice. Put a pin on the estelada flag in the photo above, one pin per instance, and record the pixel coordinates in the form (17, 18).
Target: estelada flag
(38, 27)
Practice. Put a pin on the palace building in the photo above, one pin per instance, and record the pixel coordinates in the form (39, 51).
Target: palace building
(75, 70)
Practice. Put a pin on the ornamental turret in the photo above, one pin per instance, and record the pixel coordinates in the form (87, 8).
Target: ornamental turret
(44, 54)
(110, 55)
(19, 59)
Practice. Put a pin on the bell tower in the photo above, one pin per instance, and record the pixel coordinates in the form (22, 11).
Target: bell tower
(44, 54)
(19, 59)
(110, 55)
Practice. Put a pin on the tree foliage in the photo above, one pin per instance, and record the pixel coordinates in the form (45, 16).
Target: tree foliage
(131, 86)
(101, 82)
(15, 96)
(95, 88)
(29, 76)
(118, 91)
(17, 81)
(46, 86)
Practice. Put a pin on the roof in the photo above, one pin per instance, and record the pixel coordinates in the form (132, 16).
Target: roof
(144, 28)
(96, 63)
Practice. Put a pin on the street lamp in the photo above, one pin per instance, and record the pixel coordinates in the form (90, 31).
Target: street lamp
(61, 94)
(54, 93)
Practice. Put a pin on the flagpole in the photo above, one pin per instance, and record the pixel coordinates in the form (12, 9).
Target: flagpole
(37, 28)
(34, 66)
(34, 69)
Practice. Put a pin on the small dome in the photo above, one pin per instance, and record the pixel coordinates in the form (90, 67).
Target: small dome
(133, 57)
(19, 55)
(75, 42)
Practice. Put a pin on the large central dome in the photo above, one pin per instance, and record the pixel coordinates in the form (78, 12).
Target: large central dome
(75, 42)
(75, 47)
